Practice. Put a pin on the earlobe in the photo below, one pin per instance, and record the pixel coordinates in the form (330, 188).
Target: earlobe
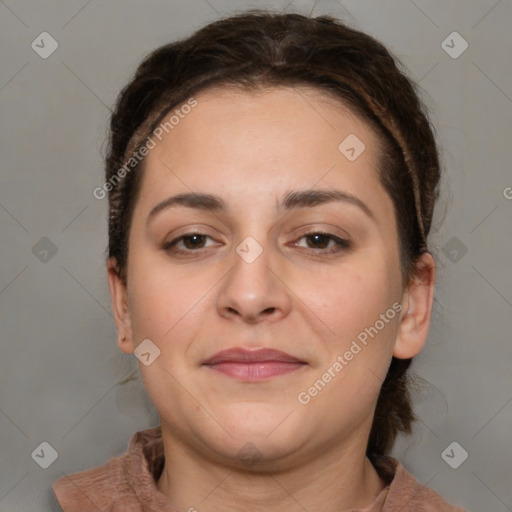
(120, 307)
(417, 310)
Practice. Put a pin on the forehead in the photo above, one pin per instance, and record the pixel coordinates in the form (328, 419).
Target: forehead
(233, 138)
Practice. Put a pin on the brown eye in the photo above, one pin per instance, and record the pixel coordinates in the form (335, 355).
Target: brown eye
(190, 241)
(193, 241)
(320, 241)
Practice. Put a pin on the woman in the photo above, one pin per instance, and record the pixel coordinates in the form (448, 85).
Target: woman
(271, 184)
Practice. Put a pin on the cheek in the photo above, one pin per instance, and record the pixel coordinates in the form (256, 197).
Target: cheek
(350, 298)
(163, 300)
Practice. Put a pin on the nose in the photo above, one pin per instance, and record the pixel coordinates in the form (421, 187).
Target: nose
(254, 291)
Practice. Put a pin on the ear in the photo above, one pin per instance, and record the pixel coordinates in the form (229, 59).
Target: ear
(417, 304)
(118, 294)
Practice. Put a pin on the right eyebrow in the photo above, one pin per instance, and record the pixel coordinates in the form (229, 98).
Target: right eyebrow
(189, 200)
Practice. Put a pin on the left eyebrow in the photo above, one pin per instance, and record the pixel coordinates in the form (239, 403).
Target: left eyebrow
(311, 198)
(291, 200)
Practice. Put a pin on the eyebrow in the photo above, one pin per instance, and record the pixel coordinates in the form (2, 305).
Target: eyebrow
(291, 200)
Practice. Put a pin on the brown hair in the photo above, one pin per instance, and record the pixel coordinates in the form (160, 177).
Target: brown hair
(258, 49)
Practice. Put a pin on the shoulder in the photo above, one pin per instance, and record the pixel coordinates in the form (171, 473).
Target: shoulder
(117, 485)
(96, 489)
(408, 495)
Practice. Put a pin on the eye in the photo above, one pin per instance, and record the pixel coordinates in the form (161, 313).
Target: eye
(321, 240)
(191, 242)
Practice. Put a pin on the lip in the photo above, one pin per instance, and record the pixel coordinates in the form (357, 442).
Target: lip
(253, 365)
(242, 355)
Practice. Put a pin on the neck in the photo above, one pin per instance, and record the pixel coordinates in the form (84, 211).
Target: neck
(339, 479)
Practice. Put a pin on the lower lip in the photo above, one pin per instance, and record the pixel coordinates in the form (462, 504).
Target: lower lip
(256, 370)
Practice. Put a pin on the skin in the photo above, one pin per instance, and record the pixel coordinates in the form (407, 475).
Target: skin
(250, 149)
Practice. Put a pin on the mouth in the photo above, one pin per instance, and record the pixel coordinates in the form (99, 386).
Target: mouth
(253, 365)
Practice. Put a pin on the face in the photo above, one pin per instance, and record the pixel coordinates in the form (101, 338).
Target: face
(267, 261)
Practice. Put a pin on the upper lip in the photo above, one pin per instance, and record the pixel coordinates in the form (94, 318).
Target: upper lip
(242, 355)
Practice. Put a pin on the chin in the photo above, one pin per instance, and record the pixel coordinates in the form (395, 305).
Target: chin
(267, 428)
(258, 452)
(254, 418)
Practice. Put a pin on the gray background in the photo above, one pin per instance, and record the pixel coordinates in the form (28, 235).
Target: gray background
(59, 364)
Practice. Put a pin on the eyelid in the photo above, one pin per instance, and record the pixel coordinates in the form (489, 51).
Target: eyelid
(179, 238)
(342, 244)
(322, 227)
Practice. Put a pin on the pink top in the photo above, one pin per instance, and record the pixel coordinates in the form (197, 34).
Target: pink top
(128, 483)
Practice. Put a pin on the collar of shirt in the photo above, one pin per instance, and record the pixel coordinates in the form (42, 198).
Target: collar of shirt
(128, 483)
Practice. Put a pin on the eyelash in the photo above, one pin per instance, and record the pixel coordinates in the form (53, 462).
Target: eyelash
(342, 244)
